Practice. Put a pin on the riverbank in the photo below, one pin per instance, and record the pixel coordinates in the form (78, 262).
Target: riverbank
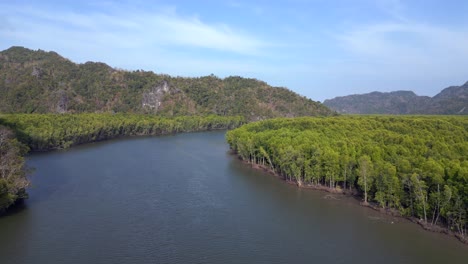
(44, 132)
(23, 133)
(176, 199)
(414, 164)
(334, 192)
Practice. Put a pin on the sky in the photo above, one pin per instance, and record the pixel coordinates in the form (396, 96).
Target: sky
(318, 48)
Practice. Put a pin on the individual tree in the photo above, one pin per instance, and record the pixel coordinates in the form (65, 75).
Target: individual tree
(365, 175)
(420, 193)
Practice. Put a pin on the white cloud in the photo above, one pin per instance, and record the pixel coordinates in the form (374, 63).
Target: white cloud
(400, 46)
(394, 53)
(131, 27)
(193, 32)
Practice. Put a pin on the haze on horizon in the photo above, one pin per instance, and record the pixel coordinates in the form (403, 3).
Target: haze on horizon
(318, 48)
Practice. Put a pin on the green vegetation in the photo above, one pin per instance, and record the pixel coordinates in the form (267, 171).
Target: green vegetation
(415, 165)
(42, 132)
(45, 82)
(64, 104)
(52, 131)
(13, 181)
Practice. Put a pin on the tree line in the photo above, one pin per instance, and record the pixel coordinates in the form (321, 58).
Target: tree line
(54, 131)
(413, 164)
(20, 133)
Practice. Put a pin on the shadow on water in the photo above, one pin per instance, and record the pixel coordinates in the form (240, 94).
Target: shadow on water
(17, 208)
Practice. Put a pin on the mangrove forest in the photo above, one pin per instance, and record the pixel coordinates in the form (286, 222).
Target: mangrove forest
(416, 166)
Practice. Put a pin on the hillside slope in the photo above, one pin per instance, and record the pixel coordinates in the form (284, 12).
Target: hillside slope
(44, 82)
(450, 101)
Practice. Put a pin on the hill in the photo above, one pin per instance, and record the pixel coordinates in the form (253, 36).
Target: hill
(450, 101)
(45, 82)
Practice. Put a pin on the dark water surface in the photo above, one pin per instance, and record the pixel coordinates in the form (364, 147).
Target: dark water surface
(185, 199)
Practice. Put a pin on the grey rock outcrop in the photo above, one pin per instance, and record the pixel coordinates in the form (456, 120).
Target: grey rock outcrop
(152, 99)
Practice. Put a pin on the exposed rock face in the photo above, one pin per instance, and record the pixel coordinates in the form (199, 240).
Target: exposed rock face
(453, 99)
(153, 98)
(44, 82)
(36, 72)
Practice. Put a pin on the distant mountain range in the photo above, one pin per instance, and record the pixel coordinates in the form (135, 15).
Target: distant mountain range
(450, 101)
(45, 82)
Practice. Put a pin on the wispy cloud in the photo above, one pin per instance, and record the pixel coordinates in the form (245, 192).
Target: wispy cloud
(402, 42)
(193, 32)
(132, 27)
(361, 45)
(406, 45)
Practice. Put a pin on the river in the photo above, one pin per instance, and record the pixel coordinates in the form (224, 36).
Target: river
(186, 199)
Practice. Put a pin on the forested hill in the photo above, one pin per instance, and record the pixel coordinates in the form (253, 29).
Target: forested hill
(450, 101)
(44, 82)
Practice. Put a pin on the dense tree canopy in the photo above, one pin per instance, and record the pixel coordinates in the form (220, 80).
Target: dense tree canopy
(52, 131)
(45, 82)
(417, 165)
(13, 179)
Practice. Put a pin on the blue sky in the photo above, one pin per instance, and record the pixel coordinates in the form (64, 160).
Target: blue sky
(318, 48)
